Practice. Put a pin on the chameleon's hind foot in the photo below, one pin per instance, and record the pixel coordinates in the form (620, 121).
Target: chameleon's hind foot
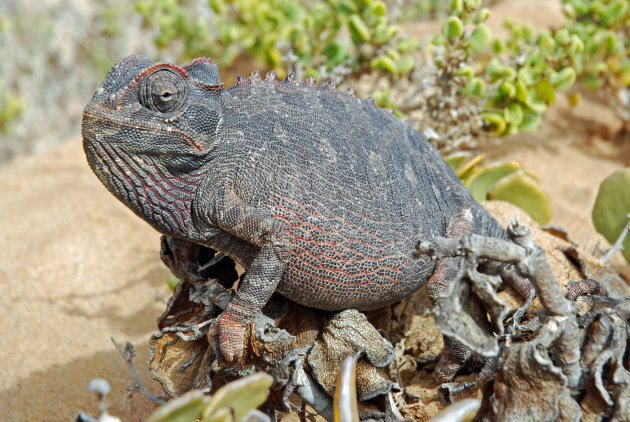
(229, 328)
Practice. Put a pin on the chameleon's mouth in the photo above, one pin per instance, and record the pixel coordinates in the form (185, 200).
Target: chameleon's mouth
(114, 167)
(105, 119)
(137, 180)
(107, 164)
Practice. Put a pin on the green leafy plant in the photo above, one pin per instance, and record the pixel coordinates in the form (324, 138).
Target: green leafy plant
(280, 33)
(231, 402)
(501, 87)
(524, 85)
(603, 27)
(504, 182)
(611, 208)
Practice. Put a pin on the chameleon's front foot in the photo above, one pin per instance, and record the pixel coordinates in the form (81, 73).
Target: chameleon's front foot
(229, 328)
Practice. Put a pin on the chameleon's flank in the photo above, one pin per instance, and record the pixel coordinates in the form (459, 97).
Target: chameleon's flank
(320, 195)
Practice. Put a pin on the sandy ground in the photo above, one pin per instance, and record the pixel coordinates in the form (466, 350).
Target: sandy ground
(77, 267)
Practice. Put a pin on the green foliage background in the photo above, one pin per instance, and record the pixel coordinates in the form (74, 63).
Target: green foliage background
(504, 86)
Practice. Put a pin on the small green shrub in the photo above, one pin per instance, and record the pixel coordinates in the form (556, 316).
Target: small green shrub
(603, 64)
(603, 27)
(282, 33)
(502, 86)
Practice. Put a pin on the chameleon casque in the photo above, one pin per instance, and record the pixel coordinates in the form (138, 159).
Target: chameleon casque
(320, 195)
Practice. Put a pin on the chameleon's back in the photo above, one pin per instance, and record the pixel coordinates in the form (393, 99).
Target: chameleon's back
(355, 187)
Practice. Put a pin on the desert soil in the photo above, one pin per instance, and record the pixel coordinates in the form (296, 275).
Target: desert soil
(78, 268)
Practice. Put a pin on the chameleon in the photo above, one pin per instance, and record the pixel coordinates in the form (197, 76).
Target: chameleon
(320, 195)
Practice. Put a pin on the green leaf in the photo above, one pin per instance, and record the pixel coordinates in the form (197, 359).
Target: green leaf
(405, 65)
(474, 87)
(358, 29)
(576, 47)
(465, 170)
(513, 114)
(480, 38)
(382, 98)
(528, 33)
(456, 159)
(615, 12)
(384, 63)
(563, 79)
(480, 183)
(482, 16)
(465, 70)
(625, 72)
(172, 282)
(612, 205)
(378, 8)
(384, 33)
(241, 396)
(521, 91)
(530, 122)
(497, 46)
(535, 103)
(592, 81)
(336, 52)
(569, 11)
(457, 6)
(599, 67)
(218, 6)
(510, 130)
(508, 89)
(452, 28)
(523, 191)
(562, 36)
(495, 123)
(495, 68)
(472, 4)
(545, 42)
(181, 409)
(540, 96)
(526, 75)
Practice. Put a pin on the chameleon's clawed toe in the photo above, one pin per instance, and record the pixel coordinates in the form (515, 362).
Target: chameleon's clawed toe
(230, 332)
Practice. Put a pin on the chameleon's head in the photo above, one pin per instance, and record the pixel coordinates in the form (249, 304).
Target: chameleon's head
(148, 133)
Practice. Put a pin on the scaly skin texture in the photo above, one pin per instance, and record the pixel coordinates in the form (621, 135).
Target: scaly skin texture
(320, 195)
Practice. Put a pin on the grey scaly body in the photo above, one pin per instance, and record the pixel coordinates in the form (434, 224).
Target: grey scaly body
(320, 195)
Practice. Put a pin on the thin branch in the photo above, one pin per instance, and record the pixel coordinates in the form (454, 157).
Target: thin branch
(128, 354)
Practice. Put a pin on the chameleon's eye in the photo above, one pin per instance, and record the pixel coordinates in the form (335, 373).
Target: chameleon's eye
(163, 90)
